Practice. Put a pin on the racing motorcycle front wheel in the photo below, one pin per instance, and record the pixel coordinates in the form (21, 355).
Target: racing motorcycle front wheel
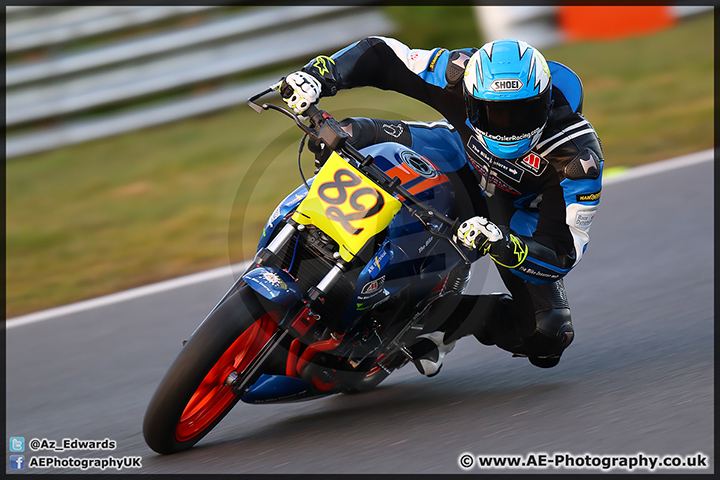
(193, 397)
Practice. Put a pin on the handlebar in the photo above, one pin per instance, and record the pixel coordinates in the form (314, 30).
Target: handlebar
(325, 128)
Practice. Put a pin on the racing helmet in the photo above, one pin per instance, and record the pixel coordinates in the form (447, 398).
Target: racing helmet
(507, 88)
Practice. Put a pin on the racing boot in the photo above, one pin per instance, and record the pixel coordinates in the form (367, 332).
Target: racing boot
(429, 351)
(545, 362)
(553, 334)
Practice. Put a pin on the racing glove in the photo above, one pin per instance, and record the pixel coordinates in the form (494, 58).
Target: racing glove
(300, 90)
(504, 247)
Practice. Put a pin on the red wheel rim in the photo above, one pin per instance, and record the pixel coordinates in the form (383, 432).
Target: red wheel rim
(212, 396)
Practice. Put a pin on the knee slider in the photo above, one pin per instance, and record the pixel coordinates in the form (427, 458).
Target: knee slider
(553, 332)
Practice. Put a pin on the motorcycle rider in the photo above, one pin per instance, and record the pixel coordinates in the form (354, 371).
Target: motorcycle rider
(525, 163)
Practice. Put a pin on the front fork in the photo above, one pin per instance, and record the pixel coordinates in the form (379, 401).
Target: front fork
(298, 321)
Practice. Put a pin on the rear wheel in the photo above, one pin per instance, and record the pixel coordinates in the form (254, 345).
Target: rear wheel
(192, 397)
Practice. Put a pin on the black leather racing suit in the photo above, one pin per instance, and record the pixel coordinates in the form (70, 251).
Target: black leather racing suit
(548, 197)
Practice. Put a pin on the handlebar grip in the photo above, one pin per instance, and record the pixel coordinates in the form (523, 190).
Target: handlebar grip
(312, 111)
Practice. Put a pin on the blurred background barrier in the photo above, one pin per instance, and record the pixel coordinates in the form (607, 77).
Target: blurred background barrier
(545, 26)
(154, 179)
(72, 71)
(80, 73)
(49, 26)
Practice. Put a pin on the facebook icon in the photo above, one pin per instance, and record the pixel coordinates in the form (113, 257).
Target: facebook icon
(17, 462)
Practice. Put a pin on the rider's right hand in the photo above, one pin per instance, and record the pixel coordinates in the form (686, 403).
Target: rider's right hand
(300, 90)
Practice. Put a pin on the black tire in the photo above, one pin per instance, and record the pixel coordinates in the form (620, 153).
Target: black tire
(162, 427)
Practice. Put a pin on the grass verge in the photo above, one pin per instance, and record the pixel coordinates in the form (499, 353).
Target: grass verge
(106, 215)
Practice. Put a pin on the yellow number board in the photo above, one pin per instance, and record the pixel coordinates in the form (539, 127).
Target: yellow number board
(347, 206)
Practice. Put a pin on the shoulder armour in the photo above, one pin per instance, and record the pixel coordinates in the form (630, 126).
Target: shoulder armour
(584, 165)
(568, 83)
(456, 65)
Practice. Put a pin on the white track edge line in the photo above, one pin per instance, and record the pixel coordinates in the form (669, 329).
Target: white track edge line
(629, 174)
(112, 298)
(661, 166)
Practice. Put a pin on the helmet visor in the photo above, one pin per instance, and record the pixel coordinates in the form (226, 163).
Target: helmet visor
(509, 120)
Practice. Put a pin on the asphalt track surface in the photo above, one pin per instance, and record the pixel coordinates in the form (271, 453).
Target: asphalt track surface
(638, 378)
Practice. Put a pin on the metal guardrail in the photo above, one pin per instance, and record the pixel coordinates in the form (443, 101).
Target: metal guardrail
(138, 118)
(160, 44)
(182, 58)
(56, 25)
(125, 83)
(22, 11)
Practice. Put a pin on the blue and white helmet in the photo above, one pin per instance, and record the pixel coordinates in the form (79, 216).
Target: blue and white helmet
(508, 93)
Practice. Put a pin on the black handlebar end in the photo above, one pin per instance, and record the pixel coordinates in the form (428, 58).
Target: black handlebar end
(367, 161)
(393, 184)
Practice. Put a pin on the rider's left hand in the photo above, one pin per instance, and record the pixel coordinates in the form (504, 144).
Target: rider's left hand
(477, 233)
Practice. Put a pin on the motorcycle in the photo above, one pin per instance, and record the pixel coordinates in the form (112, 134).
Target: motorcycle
(347, 268)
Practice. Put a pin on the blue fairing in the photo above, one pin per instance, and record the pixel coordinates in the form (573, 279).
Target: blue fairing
(440, 142)
(398, 263)
(288, 205)
(278, 389)
(274, 284)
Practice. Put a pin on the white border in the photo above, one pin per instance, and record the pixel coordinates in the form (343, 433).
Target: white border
(630, 174)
